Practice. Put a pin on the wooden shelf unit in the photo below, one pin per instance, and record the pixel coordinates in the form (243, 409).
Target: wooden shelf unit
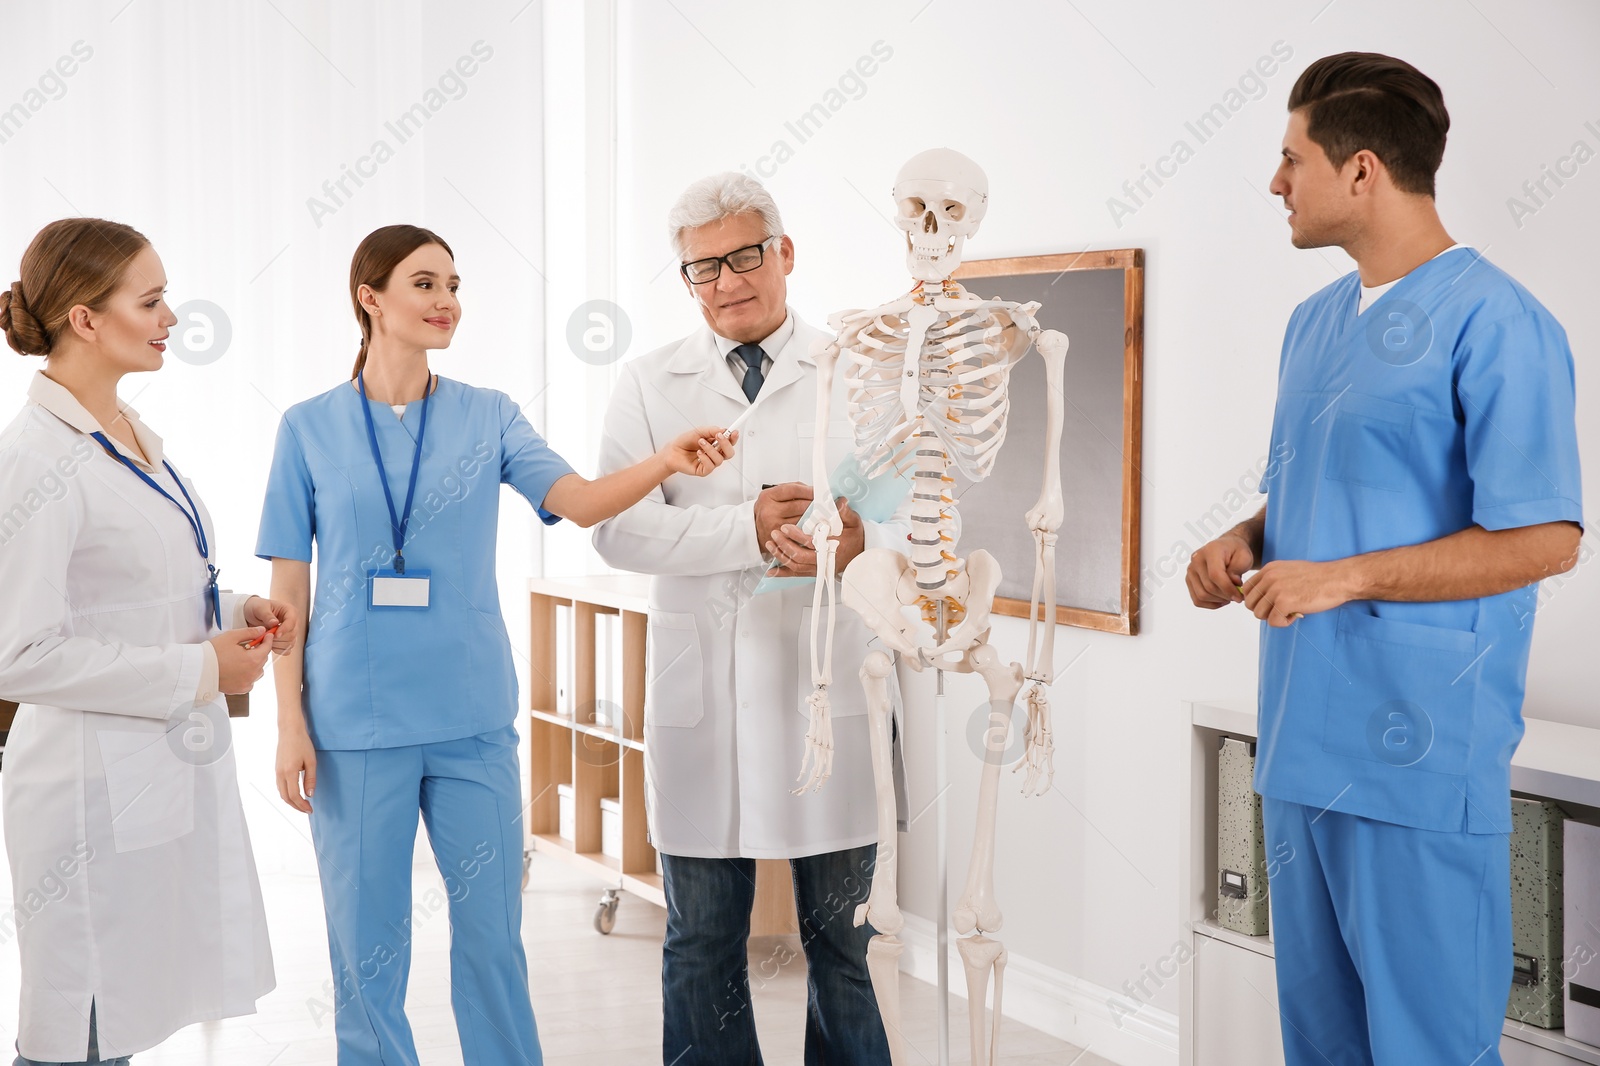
(597, 760)
(1228, 988)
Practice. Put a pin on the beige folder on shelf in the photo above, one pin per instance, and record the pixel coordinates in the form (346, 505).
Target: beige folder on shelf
(1536, 920)
(1241, 842)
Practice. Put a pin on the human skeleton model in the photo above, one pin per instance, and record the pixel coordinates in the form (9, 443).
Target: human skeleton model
(926, 385)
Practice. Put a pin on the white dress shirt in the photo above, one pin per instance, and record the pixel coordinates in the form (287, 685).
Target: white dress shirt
(773, 342)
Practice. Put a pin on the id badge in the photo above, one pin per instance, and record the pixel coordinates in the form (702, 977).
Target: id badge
(391, 591)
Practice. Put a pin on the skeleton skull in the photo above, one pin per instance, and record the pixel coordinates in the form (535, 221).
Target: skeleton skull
(940, 196)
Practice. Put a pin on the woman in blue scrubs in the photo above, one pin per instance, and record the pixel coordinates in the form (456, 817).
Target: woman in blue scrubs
(406, 696)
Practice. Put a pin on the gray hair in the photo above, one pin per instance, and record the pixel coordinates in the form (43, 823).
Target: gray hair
(717, 197)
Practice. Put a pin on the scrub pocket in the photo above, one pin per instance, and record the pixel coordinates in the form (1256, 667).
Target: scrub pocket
(329, 661)
(1370, 443)
(1402, 694)
(151, 789)
(847, 696)
(673, 692)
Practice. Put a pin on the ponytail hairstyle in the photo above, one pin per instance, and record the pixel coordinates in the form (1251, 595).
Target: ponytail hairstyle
(376, 257)
(71, 262)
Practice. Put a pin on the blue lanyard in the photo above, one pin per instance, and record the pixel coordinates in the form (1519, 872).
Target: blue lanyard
(191, 514)
(397, 523)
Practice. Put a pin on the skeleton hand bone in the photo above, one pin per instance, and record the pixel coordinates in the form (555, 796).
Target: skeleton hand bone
(1039, 757)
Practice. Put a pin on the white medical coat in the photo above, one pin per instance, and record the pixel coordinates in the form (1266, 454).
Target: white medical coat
(131, 867)
(729, 672)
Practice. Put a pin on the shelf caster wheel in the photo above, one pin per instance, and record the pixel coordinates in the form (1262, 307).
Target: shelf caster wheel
(527, 861)
(605, 915)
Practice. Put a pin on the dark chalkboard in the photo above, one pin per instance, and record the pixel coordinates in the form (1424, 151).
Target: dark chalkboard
(1097, 300)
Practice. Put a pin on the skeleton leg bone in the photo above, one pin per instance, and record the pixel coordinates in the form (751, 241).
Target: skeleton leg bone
(977, 908)
(883, 967)
(881, 908)
(980, 954)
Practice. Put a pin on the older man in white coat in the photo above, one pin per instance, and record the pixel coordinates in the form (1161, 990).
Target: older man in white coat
(726, 714)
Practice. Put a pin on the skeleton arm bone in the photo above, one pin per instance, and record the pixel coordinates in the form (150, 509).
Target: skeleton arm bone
(1044, 520)
(823, 526)
(1045, 516)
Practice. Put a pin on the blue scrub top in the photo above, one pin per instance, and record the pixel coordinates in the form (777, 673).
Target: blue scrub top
(1447, 403)
(386, 678)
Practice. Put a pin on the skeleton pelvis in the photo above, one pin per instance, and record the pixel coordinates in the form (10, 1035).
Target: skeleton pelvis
(880, 582)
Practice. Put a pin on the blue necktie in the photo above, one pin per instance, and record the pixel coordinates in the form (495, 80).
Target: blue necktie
(752, 356)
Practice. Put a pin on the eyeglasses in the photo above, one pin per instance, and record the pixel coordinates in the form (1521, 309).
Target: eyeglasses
(740, 261)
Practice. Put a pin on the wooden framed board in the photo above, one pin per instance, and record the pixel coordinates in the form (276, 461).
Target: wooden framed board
(1097, 300)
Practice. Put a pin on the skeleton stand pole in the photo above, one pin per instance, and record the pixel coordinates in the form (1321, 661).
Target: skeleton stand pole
(941, 907)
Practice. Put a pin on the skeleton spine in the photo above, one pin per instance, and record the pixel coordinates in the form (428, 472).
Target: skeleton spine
(932, 523)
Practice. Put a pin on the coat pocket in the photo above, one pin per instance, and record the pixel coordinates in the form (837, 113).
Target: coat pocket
(1370, 443)
(1402, 693)
(675, 682)
(151, 789)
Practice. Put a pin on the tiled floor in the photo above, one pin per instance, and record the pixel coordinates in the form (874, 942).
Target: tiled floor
(597, 998)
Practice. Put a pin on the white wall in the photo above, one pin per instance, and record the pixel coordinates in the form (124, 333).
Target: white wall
(1062, 104)
(210, 128)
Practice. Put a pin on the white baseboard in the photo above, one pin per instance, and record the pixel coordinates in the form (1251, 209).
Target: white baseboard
(1066, 1007)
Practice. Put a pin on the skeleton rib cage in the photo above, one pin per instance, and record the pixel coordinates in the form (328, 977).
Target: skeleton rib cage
(961, 401)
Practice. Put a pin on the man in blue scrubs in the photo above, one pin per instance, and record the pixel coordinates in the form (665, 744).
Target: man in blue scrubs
(1427, 401)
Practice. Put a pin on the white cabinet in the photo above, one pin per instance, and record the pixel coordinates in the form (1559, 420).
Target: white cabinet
(1236, 1017)
(1228, 1013)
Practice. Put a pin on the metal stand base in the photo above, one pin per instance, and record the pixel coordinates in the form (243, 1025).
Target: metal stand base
(941, 918)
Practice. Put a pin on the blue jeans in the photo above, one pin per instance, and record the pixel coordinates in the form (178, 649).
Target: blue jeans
(705, 973)
(94, 1051)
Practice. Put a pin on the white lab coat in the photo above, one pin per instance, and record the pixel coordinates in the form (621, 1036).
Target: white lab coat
(729, 672)
(131, 867)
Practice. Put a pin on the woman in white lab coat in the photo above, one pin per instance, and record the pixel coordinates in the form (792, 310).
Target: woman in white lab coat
(137, 907)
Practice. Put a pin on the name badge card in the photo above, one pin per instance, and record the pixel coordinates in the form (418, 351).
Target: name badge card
(388, 590)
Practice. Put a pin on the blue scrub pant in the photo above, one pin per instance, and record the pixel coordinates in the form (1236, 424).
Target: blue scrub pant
(1393, 944)
(364, 826)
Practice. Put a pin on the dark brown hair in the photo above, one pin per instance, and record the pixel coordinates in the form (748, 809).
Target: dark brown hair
(71, 261)
(376, 257)
(1364, 100)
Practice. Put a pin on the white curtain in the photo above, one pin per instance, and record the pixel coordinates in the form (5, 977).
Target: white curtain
(229, 133)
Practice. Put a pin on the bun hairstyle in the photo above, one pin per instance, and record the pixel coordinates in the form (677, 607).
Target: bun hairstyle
(376, 257)
(70, 262)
